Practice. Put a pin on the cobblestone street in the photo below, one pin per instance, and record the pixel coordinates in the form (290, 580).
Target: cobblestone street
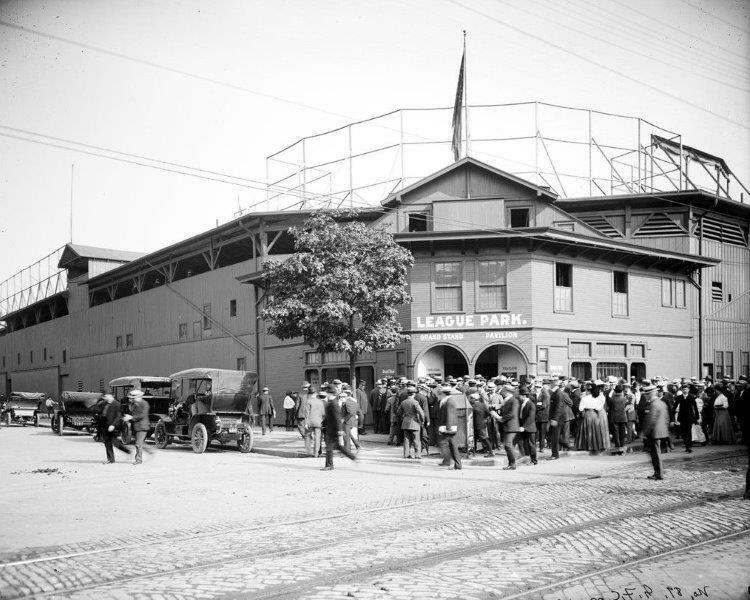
(224, 524)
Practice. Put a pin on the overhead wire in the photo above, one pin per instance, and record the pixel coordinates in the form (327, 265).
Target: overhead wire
(599, 64)
(598, 17)
(713, 16)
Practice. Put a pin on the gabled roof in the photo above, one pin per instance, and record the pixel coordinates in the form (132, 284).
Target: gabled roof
(391, 200)
(75, 252)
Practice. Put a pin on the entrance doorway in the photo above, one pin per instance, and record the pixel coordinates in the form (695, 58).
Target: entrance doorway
(501, 359)
(443, 361)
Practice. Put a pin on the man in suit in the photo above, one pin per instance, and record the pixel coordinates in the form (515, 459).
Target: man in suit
(314, 422)
(509, 418)
(448, 427)
(364, 407)
(422, 398)
(559, 401)
(542, 414)
(138, 418)
(112, 422)
(350, 413)
(655, 428)
(686, 414)
(266, 410)
(332, 424)
(527, 420)
(616, 403)
(411, 417)
(571, 402)
(377, 402)
(480, 412)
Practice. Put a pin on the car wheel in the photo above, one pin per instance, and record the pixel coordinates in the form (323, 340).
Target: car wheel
(245, 443)
(126, 435)
(199, 438)
(36, 420)
(161, 439)
(60, 425)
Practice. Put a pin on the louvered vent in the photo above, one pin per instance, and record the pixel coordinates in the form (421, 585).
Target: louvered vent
(602, 226)
(657, 225)
(719, 231)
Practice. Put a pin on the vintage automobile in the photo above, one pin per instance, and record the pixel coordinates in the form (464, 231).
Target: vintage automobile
(24, 408)
(156, 391)
(208, 405)
(75, 411)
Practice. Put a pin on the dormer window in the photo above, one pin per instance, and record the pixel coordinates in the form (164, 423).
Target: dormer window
(419, 221)
(519, 217)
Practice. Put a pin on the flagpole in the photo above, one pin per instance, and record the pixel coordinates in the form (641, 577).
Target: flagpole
(466, 99)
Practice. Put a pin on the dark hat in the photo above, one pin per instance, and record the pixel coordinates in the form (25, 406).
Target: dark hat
(322, 395)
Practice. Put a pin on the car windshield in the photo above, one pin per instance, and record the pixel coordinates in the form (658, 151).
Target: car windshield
(156, 389)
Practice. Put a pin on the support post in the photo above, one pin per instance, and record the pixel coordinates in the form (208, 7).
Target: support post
(591, 170)
(351, 173)
(638, 153)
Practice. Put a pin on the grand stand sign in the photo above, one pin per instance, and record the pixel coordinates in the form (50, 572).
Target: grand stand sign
(478, 321)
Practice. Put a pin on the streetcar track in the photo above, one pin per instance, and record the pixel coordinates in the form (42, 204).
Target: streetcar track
(453, 496)
(432, 558)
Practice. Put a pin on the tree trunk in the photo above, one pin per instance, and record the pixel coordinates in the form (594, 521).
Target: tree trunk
(352, 374)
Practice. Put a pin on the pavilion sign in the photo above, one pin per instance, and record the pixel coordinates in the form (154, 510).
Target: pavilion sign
(472, 321)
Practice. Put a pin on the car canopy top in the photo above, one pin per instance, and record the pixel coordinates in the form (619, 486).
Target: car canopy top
(28, 395)
(223, 381)
(140, 380)
(80, 399)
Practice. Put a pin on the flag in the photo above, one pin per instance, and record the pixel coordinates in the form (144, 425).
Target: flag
(458, 111)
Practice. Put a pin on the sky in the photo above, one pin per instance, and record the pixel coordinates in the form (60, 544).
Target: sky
(221, 85)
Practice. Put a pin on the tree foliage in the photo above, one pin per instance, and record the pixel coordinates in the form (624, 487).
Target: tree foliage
(341, 288)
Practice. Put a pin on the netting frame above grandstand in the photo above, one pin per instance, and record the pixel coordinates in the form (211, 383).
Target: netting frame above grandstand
(576, 152)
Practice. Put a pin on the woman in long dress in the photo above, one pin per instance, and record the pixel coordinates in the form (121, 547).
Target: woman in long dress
(589, 436)
(597, 393)
(722, 431)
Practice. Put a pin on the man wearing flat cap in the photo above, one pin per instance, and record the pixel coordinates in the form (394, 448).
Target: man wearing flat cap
(138, 418)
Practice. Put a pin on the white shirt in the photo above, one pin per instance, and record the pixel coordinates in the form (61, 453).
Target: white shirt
(288, 402)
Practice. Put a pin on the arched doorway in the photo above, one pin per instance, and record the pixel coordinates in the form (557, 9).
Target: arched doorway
(501, 359)
(442, 360)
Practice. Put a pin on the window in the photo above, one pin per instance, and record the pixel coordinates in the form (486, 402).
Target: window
(580, 370)
(666, 292)
(680, 300)
(101, 386)
(197, 329)
(492, 288)
(620, 294)
(744, 363)
(129, 340)
(580, 348)
(419, 221)
(44, 354)
(605, 369)
(65, 355)
(19, 358)
(519, 217)
(242, 363)
(448, 290)
(564, 225)
(610, 349)
(79, 387)
(206, 317)
(233, 308)
(118, 342)
(31, 356)
(718, 365)
(542, 360)
(182, 331)
(729, 365)
(563, 287)
(637, 351)
(717, 291)
(312, 358)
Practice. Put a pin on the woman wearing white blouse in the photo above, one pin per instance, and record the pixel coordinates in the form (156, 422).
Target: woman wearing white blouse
(722, 432)
(589, 435)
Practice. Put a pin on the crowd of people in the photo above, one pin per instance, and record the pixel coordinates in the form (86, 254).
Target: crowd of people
(524, 418)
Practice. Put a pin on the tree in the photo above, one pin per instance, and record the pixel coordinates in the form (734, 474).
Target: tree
(341, 288)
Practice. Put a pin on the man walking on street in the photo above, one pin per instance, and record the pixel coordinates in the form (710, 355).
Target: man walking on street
(112, 422)
(377, 401)
(527, 419)
(448, 427)
(364, 407)
(509, 418)
(266, 410)
(138, 418)
(333, 429)
(655, 429)
(542, 414)
(557, 414)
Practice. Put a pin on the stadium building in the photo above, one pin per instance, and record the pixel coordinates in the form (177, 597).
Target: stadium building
(510, 276)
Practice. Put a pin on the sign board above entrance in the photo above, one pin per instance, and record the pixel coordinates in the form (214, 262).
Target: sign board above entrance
(472, 321)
